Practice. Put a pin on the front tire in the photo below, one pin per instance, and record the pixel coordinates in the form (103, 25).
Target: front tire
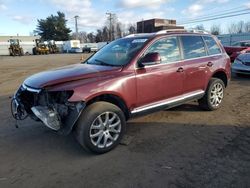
(100, 127)
(213, 97)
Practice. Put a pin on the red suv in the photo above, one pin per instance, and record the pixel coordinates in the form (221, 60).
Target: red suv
(131, 76)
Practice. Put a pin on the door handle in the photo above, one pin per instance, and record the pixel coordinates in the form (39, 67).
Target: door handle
(210, 64)
(202, 67)
(180, 69)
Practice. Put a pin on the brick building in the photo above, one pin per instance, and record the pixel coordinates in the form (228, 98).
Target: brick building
(154, 25)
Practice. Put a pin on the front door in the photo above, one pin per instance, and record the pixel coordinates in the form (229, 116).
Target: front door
(162, 81)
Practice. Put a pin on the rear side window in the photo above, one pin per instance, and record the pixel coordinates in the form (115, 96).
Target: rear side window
(212, 46)
(193, 47)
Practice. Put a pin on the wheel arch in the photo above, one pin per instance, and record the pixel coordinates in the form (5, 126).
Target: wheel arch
(221, 75)
(113, 99)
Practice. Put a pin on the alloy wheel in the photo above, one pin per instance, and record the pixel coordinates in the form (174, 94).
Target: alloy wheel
(105, 129)
(216, 94)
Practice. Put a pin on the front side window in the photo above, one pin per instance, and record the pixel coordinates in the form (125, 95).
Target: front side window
(212, 46)
(193, 47)
(168, 49)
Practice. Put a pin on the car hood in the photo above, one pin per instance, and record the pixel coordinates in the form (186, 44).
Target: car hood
(244, 57)
(68, 73)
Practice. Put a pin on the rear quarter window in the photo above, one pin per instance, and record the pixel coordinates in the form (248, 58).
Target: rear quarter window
(212, 46)
(193, 47)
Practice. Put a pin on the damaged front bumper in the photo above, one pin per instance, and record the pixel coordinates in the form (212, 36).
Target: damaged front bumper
(52, 108)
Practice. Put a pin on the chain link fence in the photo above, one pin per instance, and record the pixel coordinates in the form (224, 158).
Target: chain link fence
(229, 39)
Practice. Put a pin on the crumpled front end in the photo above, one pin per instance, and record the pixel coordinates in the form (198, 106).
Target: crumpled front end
(50, 107)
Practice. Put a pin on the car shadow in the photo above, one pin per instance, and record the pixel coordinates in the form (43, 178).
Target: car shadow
(189, 107)
(157, 153)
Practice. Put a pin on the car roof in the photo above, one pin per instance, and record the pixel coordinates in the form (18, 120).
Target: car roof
(168, 32)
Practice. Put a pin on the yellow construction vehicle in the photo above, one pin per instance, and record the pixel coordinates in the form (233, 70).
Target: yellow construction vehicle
(15, 49)
(41, 48)
(53, 49)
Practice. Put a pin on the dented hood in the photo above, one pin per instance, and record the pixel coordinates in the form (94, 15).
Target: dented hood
(68, 73)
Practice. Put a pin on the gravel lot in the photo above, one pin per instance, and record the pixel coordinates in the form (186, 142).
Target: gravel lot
(181, 147)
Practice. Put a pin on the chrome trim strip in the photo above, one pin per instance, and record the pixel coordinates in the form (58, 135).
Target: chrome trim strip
(168, 101)
(31, 89)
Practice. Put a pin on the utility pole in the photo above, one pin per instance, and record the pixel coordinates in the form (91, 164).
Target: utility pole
(110, 24)
(76, 17)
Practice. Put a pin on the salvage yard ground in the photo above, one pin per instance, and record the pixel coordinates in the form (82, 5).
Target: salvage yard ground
(181, 147)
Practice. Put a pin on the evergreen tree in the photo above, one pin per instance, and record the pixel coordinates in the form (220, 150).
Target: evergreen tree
(53, 28)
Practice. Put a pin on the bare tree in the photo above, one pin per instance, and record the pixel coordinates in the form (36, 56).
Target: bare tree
(199, 27)
(105, 34)
(132, 29)
(111, 25)
(91, 37)
(239, 27)
(231, 28)
(119, 30)
(99, 36)
(215, 29)
(247, 27)
(82, 36)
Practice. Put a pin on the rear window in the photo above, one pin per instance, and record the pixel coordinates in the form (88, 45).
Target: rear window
(212, 46)
(193, 47)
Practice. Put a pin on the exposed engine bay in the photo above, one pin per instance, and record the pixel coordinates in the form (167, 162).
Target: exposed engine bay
(50, 107)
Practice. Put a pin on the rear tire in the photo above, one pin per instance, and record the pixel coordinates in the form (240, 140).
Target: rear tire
(100, 127)
(213, 97)
(34, 51)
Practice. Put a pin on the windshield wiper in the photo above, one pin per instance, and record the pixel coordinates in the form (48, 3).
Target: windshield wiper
(104, 63)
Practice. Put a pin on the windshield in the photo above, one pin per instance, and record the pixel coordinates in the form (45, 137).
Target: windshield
(14, 41)
(118, 52)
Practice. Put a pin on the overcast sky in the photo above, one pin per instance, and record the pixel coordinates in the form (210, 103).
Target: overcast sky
(20, 16)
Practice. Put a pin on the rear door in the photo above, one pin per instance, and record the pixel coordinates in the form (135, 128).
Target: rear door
(196, 63)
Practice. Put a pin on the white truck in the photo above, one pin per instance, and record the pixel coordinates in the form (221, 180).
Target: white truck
(92, 47)
(72, 46)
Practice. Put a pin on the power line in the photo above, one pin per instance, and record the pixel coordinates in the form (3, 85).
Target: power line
(216, 15)
(216, 18)
(213, 12)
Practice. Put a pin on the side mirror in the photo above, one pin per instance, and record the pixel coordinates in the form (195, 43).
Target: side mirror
(150, 59)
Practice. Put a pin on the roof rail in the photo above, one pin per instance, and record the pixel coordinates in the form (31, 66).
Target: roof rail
(197, 31)
(170, 30)
(137, 35)
(182, 30)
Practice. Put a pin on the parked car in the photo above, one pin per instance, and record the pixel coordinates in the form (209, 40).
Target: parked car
(236, 49)
(75, 50)
(245, 43)
(247, 50)
(132, 76)
(241, 64)
(86, 49)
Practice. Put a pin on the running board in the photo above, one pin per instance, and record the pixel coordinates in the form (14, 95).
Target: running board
(166, 104)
